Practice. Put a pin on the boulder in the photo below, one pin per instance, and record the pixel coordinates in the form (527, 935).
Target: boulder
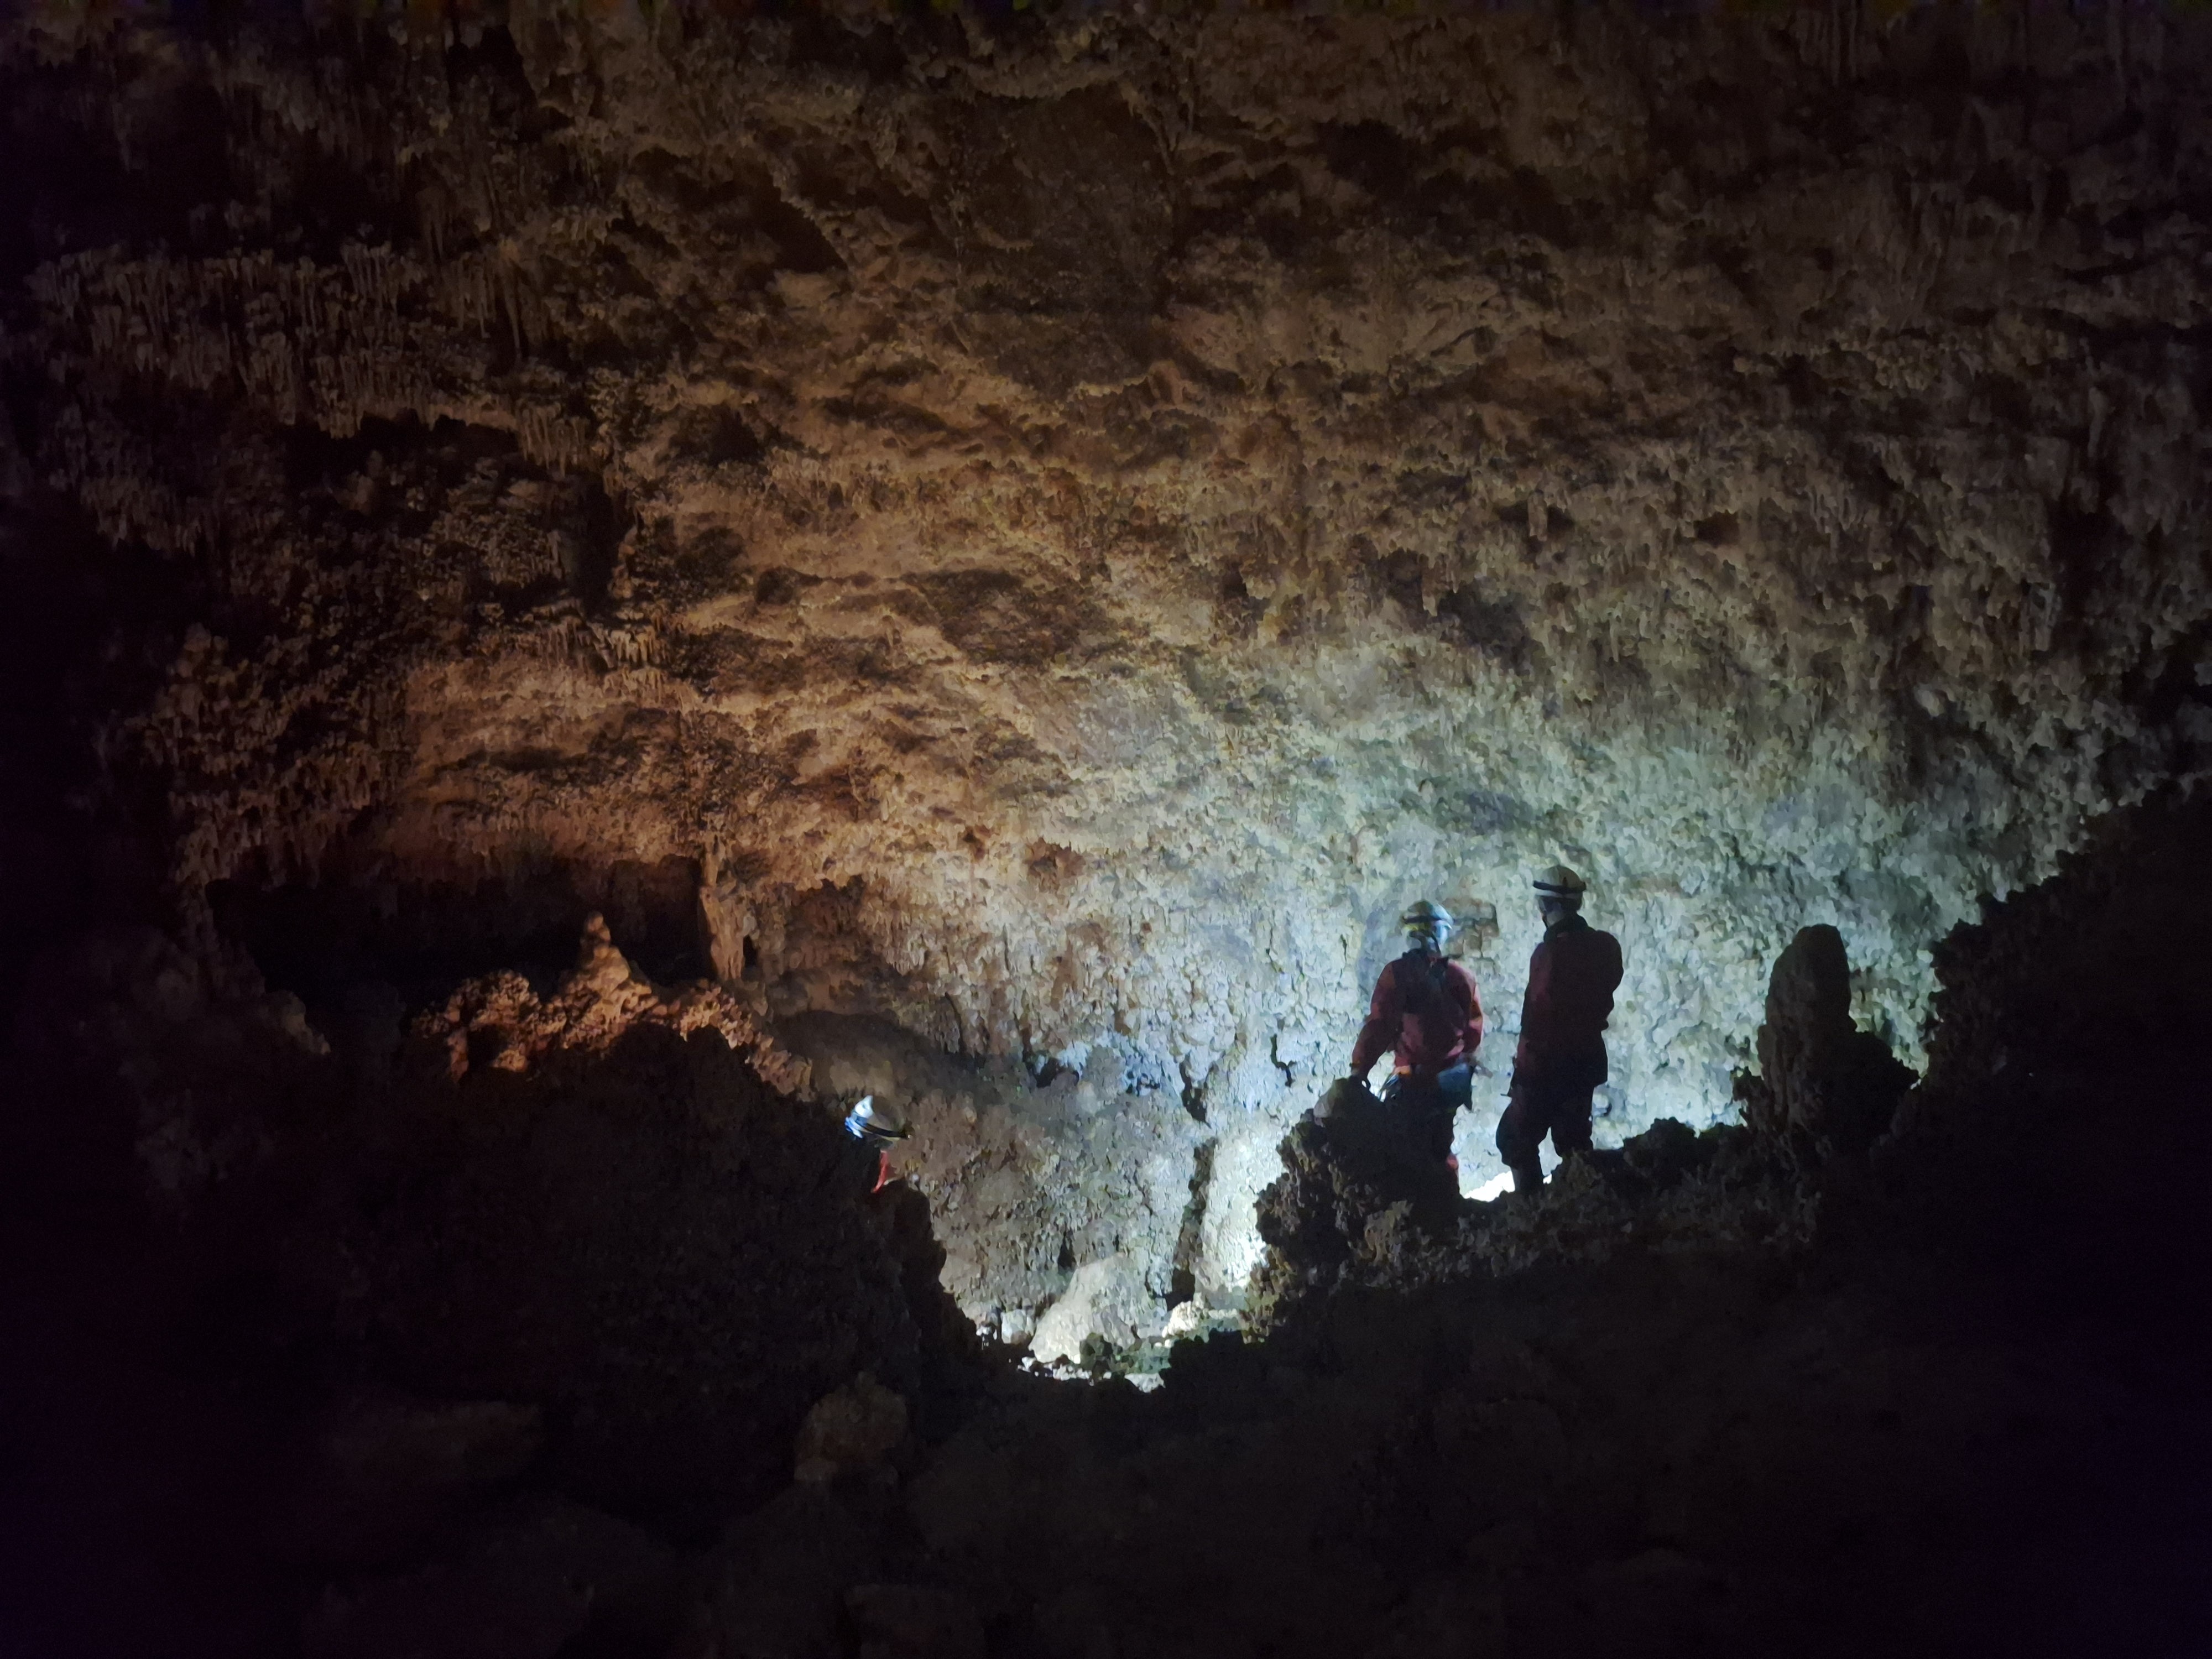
(850, 1428)
(1358, 1187)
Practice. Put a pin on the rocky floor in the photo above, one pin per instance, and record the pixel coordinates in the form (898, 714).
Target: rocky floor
(1657, 1455)
(1665, 1453)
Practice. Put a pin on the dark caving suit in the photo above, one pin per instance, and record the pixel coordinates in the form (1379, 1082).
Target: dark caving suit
(1426, 1011)
(1561, 1058)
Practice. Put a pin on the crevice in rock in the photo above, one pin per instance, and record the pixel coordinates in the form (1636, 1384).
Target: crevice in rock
(1193, 1102)
(1183, 1282)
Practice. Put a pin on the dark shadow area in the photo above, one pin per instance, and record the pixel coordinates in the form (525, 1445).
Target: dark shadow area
(82, 842)
(67, 185)
(818, 435)
(424, 938)
(315, 1338)
(2061, 1136)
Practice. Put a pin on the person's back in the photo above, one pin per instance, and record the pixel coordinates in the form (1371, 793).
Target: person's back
(1561, 1058)
(1427, 1013)
(1424, 1009)
(1571, 978)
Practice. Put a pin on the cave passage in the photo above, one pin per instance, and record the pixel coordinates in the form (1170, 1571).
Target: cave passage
(590, 585)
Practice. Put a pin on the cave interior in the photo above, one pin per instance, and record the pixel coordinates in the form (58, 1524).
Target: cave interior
(606, 581)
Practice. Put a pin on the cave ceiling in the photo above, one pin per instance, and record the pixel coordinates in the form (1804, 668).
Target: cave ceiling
(1066, 523)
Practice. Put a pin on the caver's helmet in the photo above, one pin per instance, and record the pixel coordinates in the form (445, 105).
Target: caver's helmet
(862, 1123)
(1559, 884)
(1427, 923)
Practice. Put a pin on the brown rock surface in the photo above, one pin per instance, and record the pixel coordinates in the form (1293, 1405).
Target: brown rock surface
(1069, 523)
(998, 552)
(1031, 1183)
(502, 1023)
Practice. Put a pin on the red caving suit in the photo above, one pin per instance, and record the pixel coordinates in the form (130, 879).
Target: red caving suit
(1561, 1058)
(1426, 1011)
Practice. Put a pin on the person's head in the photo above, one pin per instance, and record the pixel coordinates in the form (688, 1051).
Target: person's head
(1559, 895)
(1427, 927)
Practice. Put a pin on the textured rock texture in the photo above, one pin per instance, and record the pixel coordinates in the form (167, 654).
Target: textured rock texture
(1701, 1393)
(1360, 1206)
(1355, 1183)
(1066, 525)
(1095, 1171)
(501, 1023)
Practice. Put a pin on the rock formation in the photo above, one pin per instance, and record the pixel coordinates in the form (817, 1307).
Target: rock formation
(981, 555)
(1061, 525)
(587, 1209)
(1094, 1170)
(1824, 1083)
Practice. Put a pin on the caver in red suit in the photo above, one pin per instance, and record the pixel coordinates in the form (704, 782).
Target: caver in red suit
(1427, 1013)
(1561, 1058)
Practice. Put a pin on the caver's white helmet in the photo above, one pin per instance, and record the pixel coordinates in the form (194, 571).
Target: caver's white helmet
(1560, 882)
(1427, 923)
(862, 1123)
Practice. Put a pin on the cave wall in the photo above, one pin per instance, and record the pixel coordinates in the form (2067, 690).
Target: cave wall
(1031, 1176)
(1068, 523)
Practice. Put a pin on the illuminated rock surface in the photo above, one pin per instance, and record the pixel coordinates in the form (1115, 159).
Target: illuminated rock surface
(1068, 527)
(997, 557)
